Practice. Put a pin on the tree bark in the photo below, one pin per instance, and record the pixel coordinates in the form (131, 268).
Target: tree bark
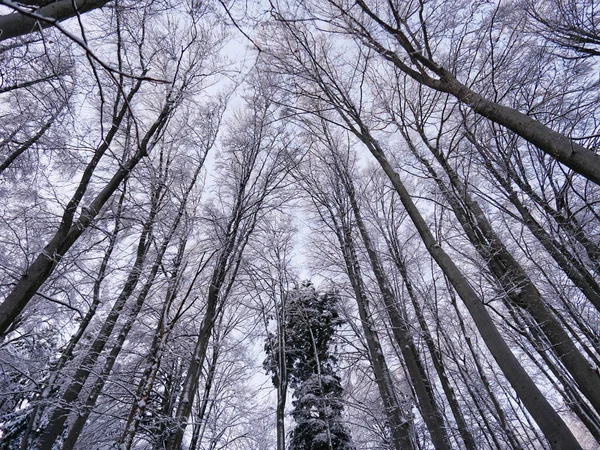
(23, 21)
(67, 354)
(58, 417)
(555, 430)
(436, 356)
(578, 158)
(432, 415)
(399, 420)
(576, 272)
(69, 230)
(514, 283)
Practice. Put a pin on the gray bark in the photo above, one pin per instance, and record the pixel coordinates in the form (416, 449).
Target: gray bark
(399, 420)
(69, 229)
(59, 416)
(578, 158)
(431, 412)
(555, 430)
(511, 278)
(22, 22)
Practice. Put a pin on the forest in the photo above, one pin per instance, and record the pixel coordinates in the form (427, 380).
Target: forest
(299, 224)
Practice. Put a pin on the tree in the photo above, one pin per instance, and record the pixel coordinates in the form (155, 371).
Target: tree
(311, 319)
(571, 25)
(255, 166)
(434, 160)
(39, 14)
(310, 57)
(270, 274)
(325, 189)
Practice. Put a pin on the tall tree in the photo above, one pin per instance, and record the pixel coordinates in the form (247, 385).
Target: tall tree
(256, 166)
(312, 60)
(311, 319)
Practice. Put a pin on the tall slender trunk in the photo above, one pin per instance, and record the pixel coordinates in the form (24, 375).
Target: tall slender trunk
(399, 420)
(190, 386)
(555, 430)
(69, 230)
(240, 226)
(516, 286)
(172, 388)
(71, 394)
(96, 390)
(432, 414)
(208, 384)
(67, 353)
(568, 224)
(513, 441)
(157, 349)
(81, 419)
(228, 262)
(282, 373)
(576, 272)
(578, 158)
(436, 356)
(558, 377)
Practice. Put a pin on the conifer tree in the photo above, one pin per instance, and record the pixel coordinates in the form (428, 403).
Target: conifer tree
(310, 322)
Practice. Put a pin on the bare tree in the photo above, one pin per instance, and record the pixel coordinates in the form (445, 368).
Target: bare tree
(327, 193)
(257, 164)
(310, 59)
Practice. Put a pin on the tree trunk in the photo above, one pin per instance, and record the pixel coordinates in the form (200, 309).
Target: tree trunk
(555, 430)
(578, 158)
(432, 415)
(79, 423)
(497, 408)
(23, 22)
(67, 354)
(399, 420)
(200, 417)
(576, 272)
(436, 356)
(71, 394)
(514, 283)
(69, 232)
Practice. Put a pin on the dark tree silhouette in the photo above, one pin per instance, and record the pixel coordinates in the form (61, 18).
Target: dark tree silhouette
(311, 320)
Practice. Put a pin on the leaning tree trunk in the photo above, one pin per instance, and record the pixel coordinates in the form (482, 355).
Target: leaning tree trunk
(576, 272)
(197, 435)
(568, 224)
(555, 430)
(489, 394)
(555, 373)
(578, 158)
(71, 394)
(431, 412)
(436, 356)
(23, 21)
(510, 277)
(222, 266)
(67, 353)
(399, 420)
(69, 230)
(156, 352)
(81, 419)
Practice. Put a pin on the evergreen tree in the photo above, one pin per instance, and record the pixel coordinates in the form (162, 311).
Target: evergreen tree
(310, 322)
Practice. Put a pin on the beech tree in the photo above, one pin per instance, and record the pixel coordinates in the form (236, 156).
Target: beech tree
(303, 56)
(169, 169)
